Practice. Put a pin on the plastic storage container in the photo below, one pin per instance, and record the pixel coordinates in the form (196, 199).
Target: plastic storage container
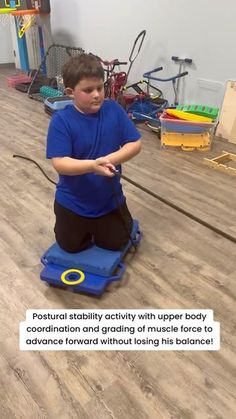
(47, 91)
(186, 134)
(12, 81)
(53, 104)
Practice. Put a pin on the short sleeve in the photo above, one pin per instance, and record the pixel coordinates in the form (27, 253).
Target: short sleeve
(59, 142)
(127, 128)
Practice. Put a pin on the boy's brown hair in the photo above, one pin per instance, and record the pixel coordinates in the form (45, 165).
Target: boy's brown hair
(81, 67)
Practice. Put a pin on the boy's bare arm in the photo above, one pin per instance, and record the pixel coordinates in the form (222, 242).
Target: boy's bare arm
(124, 154)
(73, 167)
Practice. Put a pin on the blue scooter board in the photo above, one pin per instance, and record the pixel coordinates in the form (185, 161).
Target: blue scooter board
(88, 271)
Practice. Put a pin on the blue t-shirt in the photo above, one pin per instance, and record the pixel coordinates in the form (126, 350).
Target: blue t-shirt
(89, 136)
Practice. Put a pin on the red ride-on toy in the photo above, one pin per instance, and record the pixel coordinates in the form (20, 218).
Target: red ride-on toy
(116, 81)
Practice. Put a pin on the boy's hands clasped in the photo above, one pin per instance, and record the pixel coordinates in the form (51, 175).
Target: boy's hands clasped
(103, 167)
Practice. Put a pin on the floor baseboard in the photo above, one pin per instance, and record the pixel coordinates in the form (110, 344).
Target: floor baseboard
(8, 65)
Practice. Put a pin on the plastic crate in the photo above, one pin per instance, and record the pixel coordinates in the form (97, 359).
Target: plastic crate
(186, 134)
(12, 81)
(179, 125)
(57, 103)
(187, 142)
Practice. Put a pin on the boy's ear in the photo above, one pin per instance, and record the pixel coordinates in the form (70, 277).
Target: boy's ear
(69, 91)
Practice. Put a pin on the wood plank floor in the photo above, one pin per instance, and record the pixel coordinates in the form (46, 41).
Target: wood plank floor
(179, 265)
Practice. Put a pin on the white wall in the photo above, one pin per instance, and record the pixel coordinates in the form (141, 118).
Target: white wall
(202, 30)
(6, 46)
(9, 52)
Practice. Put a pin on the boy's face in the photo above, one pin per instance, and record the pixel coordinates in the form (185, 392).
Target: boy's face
(89, 95)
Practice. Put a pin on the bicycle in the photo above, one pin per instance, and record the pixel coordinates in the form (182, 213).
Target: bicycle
(114, 80)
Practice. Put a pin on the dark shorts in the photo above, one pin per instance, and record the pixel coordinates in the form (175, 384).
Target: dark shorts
(75, 233)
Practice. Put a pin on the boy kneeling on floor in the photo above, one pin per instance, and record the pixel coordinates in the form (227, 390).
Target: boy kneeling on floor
(87, 142)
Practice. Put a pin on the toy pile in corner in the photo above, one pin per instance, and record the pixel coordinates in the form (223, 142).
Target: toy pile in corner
(188, 126)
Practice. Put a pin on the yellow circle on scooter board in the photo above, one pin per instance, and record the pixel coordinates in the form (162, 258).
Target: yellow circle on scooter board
(72, 271)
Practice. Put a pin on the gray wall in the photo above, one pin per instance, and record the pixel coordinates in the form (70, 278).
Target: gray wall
(6, 45)
(202, 30)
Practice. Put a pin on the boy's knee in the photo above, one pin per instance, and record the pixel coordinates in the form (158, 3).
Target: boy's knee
(72, 246)
(69, 247)
(112, 244)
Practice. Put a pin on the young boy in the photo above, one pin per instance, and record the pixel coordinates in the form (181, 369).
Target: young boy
(87, 142)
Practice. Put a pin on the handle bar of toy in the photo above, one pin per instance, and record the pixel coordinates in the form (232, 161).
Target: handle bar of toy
(170, 78)
(137, 89)
(122, 62)
(133, 56)
(110, 63)
(148, 73)
(114, 62)
(141, 35)
(145, 117)
(134, 86)
(186, 60)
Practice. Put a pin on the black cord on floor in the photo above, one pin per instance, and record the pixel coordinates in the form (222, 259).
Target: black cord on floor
(40, 168)
(160, 198)
(182, 211)
(119, 207)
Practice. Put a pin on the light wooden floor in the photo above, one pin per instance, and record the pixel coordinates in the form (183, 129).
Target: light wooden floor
(180, 264)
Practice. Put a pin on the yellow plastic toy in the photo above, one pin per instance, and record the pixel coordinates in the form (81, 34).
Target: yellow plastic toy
(5, 10)
(187, 116)
(76, 275)
(222, 163)
(188, 142)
